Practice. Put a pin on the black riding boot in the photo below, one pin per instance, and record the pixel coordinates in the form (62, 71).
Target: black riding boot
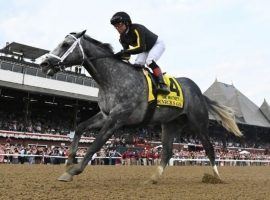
(162, 87)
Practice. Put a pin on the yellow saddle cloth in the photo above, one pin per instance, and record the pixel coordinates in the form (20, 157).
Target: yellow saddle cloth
(174, 98)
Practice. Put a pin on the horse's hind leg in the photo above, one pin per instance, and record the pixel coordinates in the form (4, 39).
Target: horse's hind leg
(209, 150)
(168, 133)
(199, 125)
(94, 122)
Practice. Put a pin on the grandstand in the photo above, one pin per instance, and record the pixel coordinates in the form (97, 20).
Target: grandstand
(29, 96)
(42, 110)
(251, 119)
(265, 108)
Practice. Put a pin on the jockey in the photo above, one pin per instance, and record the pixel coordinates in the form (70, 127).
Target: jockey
(144, 43)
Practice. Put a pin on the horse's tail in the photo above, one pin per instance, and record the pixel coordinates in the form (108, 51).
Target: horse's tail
(224, 115)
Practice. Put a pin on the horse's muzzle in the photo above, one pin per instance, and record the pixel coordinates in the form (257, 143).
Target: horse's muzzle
(46, 68)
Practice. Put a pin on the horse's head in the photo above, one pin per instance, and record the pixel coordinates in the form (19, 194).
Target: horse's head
(68, 53)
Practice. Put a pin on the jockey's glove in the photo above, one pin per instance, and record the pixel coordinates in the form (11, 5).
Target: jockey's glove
(123, 55)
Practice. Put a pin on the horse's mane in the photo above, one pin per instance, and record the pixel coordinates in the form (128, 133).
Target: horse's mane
(106, 46)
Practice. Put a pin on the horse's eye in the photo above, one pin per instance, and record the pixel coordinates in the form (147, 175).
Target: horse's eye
(65, 44)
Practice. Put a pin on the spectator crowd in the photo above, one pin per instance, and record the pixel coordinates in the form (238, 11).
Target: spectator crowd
(118, 154)
(37, 124)
(127, 147)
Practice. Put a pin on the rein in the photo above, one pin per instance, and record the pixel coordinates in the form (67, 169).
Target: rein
(77, 41)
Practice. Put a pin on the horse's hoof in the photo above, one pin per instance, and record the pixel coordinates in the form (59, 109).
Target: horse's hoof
(66, 177)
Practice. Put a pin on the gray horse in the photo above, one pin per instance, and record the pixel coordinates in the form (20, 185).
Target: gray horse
(122, 99)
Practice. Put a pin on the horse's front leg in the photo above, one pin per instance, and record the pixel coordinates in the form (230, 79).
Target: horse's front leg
(114, 121)
(94, 122)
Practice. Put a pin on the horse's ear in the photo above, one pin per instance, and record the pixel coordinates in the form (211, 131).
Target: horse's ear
(81, 33)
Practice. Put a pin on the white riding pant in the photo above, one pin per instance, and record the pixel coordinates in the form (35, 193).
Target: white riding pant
(154, 54)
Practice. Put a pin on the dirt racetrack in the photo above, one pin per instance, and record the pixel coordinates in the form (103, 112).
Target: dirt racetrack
(126, 182)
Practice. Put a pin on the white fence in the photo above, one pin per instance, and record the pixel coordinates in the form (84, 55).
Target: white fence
(52, 159)
(220, 162)
(48, 156)
(172, 162)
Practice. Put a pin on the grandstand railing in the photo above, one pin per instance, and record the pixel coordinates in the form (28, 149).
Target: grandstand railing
(41, 136)
(35, 70)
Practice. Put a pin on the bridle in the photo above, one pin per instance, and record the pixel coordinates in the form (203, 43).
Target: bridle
(68, 52)
(77, 42)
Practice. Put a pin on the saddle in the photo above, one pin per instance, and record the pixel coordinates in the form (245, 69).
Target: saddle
(173, 99)
(154, 82)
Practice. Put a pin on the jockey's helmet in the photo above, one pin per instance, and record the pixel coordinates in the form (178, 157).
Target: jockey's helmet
(121, 17)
